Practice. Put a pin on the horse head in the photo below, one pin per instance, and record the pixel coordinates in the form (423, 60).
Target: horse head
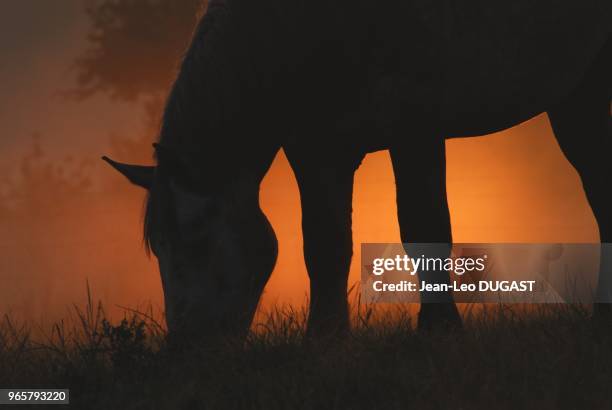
(215, 248)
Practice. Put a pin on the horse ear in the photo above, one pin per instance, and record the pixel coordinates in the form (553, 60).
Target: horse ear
(137, 174)
(167, 157)
(172, 165)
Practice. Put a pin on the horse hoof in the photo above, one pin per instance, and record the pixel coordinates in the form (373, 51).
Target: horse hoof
(326, 333)
(439, 317)
(602, 312)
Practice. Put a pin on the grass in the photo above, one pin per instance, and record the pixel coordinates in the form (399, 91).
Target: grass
(550, 357)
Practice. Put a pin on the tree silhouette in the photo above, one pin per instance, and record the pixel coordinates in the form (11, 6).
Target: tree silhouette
(135, 46)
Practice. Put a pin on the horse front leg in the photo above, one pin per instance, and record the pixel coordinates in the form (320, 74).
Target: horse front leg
(423, 214)
(325, 180)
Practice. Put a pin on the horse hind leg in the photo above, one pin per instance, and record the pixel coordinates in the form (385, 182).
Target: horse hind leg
(583, 127)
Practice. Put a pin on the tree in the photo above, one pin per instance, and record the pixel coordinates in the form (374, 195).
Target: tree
(135, 46)
(135, 49)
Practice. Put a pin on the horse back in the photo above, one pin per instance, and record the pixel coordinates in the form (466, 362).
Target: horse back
(509, 61)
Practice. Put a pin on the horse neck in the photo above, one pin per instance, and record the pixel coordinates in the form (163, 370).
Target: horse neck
(214, 116)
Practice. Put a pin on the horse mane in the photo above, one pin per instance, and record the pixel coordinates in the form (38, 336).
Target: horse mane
(179, 121)
(227, 84)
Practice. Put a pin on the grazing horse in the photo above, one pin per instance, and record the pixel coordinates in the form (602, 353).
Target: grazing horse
(329, 83)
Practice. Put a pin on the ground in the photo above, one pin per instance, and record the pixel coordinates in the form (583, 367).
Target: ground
(545, 356)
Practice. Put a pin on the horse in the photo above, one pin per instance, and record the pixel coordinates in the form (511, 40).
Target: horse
(328, 84)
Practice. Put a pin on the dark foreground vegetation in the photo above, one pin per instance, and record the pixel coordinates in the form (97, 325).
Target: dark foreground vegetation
(549, 358)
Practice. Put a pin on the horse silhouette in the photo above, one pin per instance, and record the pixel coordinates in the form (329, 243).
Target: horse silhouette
(329, 83)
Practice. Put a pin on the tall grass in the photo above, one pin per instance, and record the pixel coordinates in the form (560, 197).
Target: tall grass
(546, 356)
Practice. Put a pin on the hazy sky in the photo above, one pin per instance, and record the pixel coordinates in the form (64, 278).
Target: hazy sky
(39, 40)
